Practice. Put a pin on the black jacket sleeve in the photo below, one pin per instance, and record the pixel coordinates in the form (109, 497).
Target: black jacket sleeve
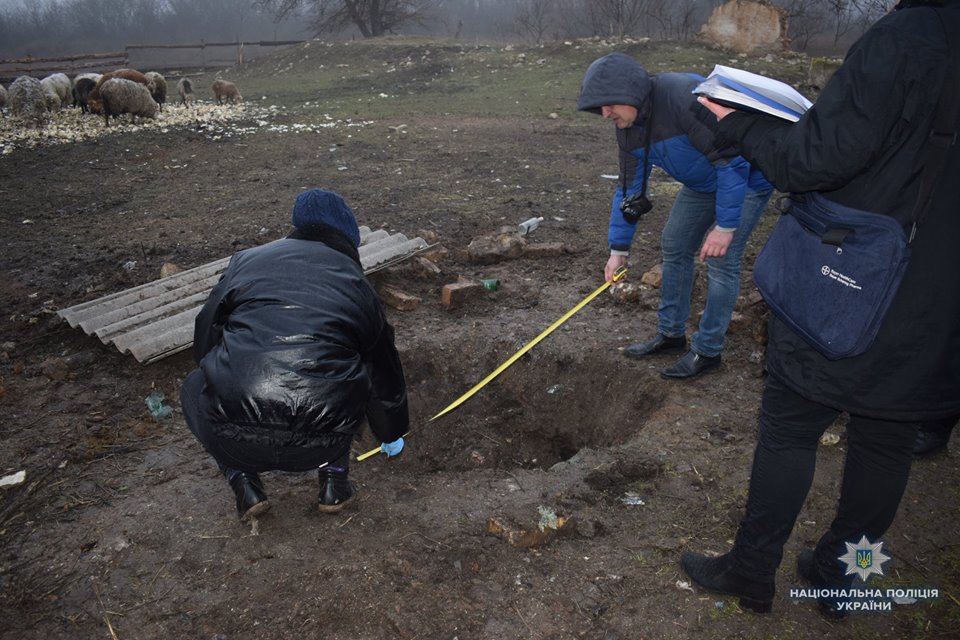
(208, 326)
(842, 133)
(387, 410)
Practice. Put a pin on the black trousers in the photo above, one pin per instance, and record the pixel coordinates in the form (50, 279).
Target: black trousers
(875, 475)
(245, 456)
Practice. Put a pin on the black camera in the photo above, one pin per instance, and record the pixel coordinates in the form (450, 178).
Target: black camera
(635, 207)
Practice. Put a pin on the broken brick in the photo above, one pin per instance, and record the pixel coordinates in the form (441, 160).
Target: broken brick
(456, 293)
(399, 300)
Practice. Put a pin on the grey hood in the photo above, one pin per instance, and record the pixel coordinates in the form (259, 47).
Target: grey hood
(615, 78)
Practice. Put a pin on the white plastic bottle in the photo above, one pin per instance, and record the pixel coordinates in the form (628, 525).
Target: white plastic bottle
(527, 226)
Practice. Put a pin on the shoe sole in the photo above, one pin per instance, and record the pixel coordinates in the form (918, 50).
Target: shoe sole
(256, 510)
(335, 508)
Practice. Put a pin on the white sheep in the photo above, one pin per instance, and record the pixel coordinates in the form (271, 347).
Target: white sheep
(27, 99)
(121, 96)
(58, 90)
(224, 90)
(185, 89)
(159, 87)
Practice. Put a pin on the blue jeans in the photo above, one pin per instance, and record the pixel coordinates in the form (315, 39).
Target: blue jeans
(690, 219)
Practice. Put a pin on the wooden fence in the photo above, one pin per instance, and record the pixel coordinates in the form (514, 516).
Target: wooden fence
(142, 56)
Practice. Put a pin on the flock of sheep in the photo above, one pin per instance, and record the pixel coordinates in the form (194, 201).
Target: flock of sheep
(109, 94)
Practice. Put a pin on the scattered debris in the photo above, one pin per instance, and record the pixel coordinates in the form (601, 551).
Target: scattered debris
(683, 585)
(490, 284)
(632, 499)
(154, 403)
(528, 226)
(13, 480)
(548, 526)
(625, 292)
(399, 300)
(829, 439)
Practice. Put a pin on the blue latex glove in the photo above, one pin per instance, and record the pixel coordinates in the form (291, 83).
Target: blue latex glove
(392, 448)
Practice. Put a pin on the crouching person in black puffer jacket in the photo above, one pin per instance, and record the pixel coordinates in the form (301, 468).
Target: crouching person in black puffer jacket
(294, 352)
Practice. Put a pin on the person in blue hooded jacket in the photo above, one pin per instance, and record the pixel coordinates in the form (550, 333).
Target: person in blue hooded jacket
(294, 352)
(659, 122)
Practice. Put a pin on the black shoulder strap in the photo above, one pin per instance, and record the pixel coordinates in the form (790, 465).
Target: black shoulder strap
(943, 134)
(646, 162)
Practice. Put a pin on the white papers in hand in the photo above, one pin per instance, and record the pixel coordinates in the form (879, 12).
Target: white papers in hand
(745, 90)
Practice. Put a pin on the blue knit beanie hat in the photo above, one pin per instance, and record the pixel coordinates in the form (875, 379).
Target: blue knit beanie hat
(319, 206)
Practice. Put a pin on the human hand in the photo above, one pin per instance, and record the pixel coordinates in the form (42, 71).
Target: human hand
(716, 244)
(717, 109)
(392, 448)
(614, 263)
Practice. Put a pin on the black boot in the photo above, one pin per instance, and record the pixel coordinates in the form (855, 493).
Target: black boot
(251, 499)
(336, 490)
(657, 344)
(932, 438)
(718, 574)
(691, 365)
(807, 569)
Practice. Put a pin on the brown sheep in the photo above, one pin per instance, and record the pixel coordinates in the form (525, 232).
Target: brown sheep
(159, 88)
(95, 102)
(223, 90)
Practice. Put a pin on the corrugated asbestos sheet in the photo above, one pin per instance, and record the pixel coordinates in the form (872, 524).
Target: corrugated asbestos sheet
(155, 320)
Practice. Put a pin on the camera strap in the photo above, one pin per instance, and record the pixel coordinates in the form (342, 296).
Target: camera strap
(646, 162)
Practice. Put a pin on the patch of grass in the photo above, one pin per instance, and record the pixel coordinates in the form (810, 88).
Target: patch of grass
(396, 78)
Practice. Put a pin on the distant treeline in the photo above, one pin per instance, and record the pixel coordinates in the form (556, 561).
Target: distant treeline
(53, 27)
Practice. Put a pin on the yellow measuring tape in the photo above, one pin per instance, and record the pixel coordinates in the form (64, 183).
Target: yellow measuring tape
(617, 275)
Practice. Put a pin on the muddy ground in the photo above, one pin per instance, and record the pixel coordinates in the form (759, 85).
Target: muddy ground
(123, 529)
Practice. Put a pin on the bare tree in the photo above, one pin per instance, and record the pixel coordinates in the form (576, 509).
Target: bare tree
(616, 17)
(673, 19)
(805, 20)
(371, 17)
(532, 18)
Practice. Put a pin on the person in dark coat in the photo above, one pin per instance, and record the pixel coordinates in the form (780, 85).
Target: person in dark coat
(294, 352)
(659, 123)
(861, 145)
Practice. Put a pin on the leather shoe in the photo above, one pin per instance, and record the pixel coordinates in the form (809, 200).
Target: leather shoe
(718, 574)
(930, 442)
(691, 365)
(657, 344)
(251, 498)
(807, 569)
(336, 490)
